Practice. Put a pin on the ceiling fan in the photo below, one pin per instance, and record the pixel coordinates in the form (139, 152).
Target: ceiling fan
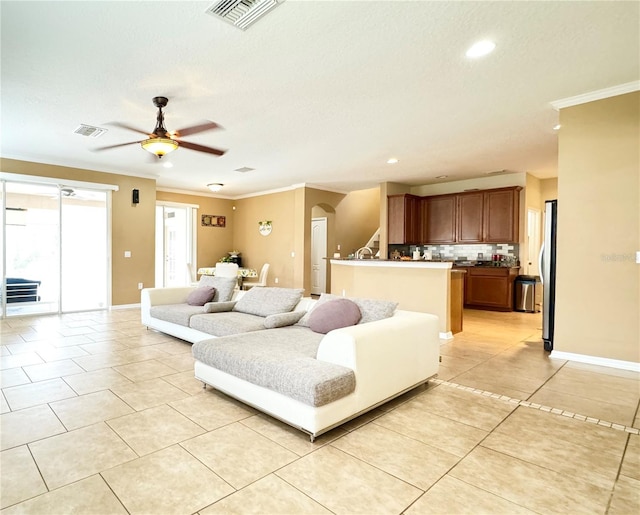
(161, 141)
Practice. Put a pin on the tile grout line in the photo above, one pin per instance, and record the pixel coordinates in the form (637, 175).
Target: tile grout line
(540, 407)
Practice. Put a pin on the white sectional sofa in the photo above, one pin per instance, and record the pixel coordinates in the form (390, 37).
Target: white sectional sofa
(309, 380)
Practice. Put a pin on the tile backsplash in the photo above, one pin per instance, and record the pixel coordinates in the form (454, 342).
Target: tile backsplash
(461, 252)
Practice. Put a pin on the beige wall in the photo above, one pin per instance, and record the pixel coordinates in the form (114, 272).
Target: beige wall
(598, 282)
(549, 189)
(132, 226)
(357, 219)
(276, 248)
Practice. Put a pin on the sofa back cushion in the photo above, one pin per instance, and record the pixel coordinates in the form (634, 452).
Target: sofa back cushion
(224, 286)
(265, 301)
(201, 295)
(334, 314)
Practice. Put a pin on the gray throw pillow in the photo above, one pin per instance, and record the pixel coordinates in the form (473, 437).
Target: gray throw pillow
(268, 301)
(201, 295)
(219, 307)
(282, 319)
(334, 314)
(224, 286)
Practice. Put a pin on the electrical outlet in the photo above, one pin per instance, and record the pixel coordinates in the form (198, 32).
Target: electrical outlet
(140, 286)
(276, 280)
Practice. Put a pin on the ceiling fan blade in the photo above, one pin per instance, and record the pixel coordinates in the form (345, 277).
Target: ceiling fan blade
(128, 127)
(115, 146)
(202, 148)
(194, 129)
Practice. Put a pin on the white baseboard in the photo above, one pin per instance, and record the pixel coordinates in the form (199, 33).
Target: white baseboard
(124, 306)
(596, 360)
(446, 336)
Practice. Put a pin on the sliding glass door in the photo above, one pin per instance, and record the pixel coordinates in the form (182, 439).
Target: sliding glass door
(84, 252)
(32, 249)
(55, 248)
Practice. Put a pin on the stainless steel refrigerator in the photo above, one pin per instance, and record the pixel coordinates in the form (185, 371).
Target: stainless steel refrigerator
(548, 272)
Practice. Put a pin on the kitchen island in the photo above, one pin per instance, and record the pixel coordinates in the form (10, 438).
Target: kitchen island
(425, 286)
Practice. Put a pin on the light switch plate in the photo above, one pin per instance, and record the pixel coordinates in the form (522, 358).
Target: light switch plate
(127, 253)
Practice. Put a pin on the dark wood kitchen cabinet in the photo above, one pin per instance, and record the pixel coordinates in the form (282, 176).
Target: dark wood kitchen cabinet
(470, 217)
(404, 219)
(501, 218)
(439, 219)
(490, 287)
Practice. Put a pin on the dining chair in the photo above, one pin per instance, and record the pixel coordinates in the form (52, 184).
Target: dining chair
(262, 278)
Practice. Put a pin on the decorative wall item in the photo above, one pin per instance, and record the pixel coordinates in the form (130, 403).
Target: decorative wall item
(213, 221)
(265, 227)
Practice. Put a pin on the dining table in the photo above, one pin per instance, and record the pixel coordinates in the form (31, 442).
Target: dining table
(242, 273)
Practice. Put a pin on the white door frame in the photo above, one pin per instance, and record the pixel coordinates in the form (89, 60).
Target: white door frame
(318, 255)
(183, 276)
(534, 235)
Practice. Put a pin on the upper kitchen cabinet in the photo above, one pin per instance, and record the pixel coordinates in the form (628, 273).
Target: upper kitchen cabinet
(501, 218)
(439, 219)
(404, 220)
(470, 217)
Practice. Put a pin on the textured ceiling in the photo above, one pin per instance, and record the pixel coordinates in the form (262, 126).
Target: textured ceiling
(317, 92)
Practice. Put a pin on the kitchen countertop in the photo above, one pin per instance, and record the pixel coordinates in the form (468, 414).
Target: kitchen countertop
(453, 264)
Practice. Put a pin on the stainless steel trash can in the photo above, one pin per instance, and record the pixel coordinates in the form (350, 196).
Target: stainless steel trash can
(527, 294)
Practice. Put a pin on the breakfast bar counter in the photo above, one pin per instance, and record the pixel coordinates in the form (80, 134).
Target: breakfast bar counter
(424, 286)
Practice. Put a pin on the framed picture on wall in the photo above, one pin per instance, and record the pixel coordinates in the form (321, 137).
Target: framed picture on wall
(213, 221)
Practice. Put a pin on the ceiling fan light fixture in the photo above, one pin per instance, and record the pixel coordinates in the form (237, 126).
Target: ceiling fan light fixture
(159, 146)
(215, 186)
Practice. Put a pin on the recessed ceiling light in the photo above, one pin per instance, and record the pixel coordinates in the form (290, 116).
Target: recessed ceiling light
(392, 161)
(215, 186)
(557, 127)
(481, 48)
(441, 176)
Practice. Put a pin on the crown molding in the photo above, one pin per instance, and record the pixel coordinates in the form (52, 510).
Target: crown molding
(614, 91)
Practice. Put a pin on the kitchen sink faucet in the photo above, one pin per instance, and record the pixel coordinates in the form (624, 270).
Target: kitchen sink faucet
(360, 252)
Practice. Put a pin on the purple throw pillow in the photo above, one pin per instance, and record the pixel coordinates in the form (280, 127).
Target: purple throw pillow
(334, 314)
(201, 295)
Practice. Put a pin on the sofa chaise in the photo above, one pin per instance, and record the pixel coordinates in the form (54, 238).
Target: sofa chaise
(292, 367)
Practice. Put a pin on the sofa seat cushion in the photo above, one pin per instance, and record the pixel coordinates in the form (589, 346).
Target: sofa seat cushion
(176, 313)
(226, 323)
(282, 360)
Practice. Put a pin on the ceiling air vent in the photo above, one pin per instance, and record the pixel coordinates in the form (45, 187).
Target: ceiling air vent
(89, 130)
(242, 13)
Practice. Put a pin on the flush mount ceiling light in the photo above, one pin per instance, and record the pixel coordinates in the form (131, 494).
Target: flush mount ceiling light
(392, 161)
(480, 48)
(215, 186)
(159, 146)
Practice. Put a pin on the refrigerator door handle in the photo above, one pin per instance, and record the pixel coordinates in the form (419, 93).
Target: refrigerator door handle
(540, 262)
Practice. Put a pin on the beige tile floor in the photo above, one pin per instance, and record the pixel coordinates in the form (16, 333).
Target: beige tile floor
(101, 416)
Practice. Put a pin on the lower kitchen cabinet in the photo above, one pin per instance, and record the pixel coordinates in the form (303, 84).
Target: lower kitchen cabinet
(490, 287)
